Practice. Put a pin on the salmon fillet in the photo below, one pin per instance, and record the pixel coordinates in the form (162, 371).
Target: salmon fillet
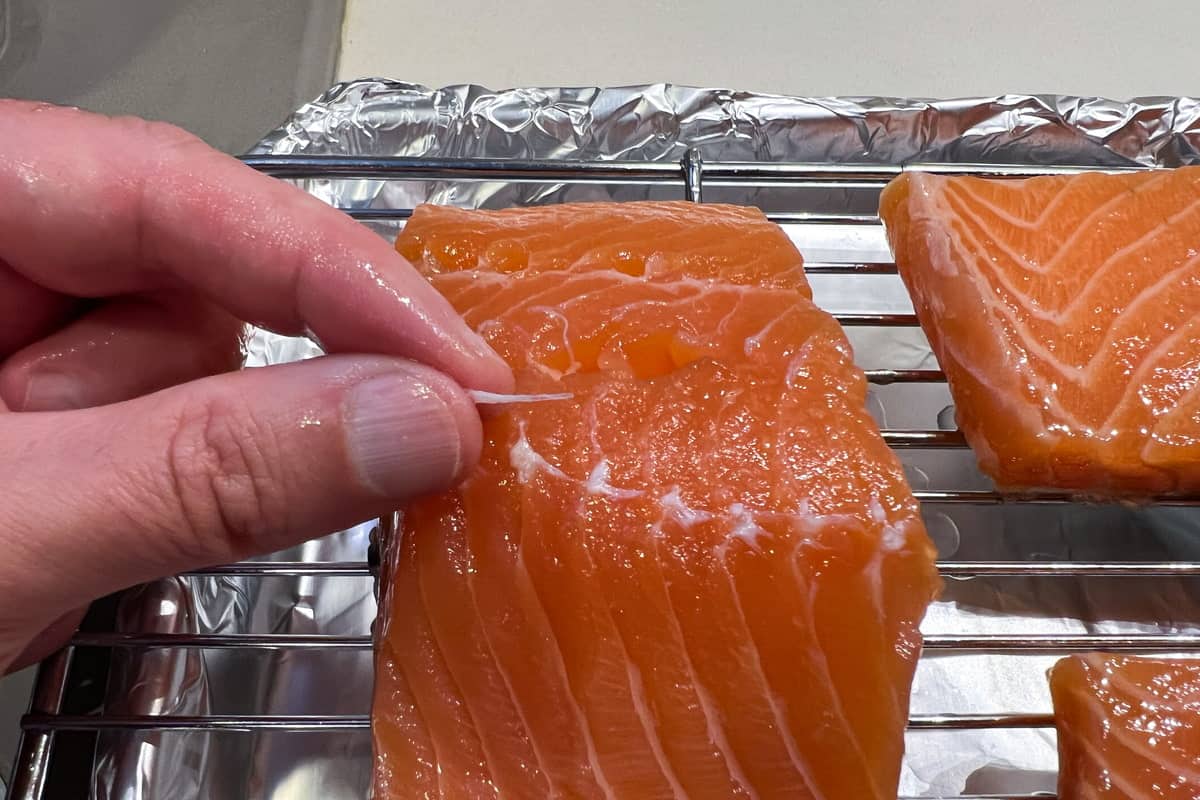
(1128, 728)
(1065, 311)
(698, 575)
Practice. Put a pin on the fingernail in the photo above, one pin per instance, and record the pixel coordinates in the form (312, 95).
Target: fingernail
(53, 391)
(402, 436)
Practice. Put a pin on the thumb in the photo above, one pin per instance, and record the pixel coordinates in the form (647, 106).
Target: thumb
(209, 472)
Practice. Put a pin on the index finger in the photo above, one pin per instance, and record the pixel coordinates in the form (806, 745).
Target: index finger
(95, 207)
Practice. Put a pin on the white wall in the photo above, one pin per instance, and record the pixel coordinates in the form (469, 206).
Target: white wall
(916, 48)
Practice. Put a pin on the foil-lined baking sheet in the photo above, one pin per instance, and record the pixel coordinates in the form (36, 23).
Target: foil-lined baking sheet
(660, 122)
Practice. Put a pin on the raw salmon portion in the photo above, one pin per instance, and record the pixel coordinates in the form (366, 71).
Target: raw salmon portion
(698, 575)
(1065, 311)
(1128, 728)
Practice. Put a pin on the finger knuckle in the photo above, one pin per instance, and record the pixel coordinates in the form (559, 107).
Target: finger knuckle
(222, 468)
(159, 135)
(159, 178)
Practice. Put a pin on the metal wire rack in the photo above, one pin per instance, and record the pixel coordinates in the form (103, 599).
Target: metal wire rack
(693, 177)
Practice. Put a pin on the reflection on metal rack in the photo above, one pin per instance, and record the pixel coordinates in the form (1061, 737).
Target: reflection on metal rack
(884, 377)
(691, 175)
(993, 643)
(315, 724)
(862, 268)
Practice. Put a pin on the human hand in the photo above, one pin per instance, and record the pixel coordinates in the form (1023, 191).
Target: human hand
(129, 254)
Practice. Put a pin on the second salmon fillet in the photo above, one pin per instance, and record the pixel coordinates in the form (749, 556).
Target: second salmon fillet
(699, 574)
(1065, 311)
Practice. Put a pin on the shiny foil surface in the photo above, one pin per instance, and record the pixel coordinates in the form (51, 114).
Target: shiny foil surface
(374, 117)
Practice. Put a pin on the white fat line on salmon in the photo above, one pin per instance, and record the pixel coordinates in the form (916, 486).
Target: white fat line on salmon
(1120, 682)
(745, 527)
(873, 572)
(674, 507)
(637, 694)
(808, 518)
(1022, 343)
(597, 483)
(798, 365)
(755, 340)
(719, 328)
(754, 662)
(1097, 277)
(528, 461)
(560, 317)
(1077, 374)
(895, 534)
(1119, 735)
(497, 398)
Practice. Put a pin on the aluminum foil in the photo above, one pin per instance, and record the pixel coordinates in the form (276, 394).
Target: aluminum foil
(659, 123)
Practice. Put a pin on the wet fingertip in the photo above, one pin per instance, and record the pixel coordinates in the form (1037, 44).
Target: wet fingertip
(493, 373)
(500, 379)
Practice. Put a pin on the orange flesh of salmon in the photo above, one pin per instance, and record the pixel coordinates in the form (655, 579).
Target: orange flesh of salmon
(1065, 311)
(1128, 728)
(701, 576)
